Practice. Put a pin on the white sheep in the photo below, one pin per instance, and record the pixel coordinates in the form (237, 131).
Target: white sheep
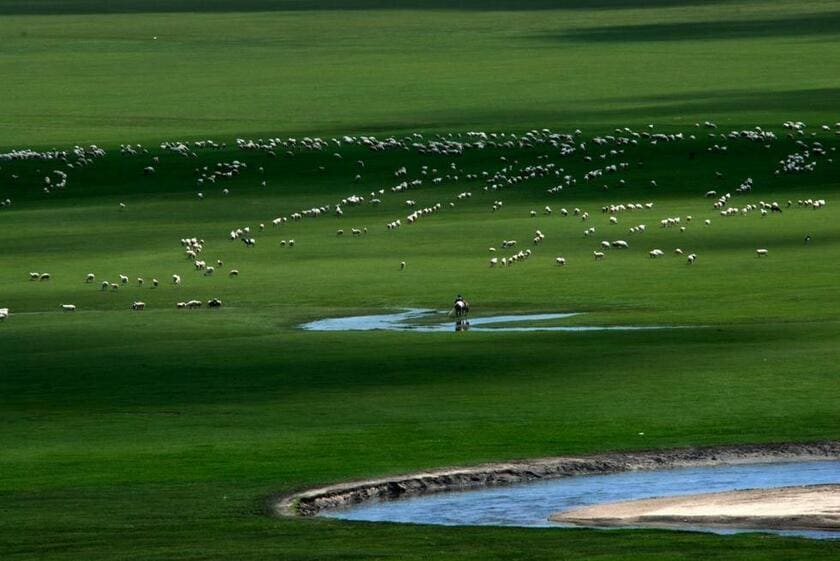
(691, 258)
(654, 253)
(4, 313)
(45, 276)
(761, 252)
(34, 276)
(90, 277)
(598, 255)
(123, 279)
(68, 307)
(233, 273)
(560, 260)
(137, 306)
(176, 279)
(402, 265)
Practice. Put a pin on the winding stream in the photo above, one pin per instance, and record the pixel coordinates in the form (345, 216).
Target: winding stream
(530, 504)
(407, 320)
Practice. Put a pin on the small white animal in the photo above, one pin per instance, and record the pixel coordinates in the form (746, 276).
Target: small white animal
(68, 307)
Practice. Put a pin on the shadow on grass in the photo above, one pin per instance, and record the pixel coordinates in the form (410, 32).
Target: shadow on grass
(46, 7)
(815, 24)
(621, 110)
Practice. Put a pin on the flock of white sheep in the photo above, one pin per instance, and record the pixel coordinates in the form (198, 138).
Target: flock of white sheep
(606, 156)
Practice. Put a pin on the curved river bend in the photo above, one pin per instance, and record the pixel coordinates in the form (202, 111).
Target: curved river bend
(530, 504)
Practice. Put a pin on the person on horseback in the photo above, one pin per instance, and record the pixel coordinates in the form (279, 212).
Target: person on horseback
(461, 306)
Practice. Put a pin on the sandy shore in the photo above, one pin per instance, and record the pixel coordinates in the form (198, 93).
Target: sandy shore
(313, 501)
(813, 507)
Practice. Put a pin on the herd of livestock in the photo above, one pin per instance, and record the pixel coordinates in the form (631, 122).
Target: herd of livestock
(604, 155)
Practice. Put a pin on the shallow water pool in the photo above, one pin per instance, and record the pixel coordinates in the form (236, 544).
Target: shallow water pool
(530, 504)
(410, 320)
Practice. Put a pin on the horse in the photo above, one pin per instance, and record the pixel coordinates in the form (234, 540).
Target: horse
(461, 308)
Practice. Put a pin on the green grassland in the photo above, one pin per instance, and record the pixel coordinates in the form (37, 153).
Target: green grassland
(94, 77)
(162, 434)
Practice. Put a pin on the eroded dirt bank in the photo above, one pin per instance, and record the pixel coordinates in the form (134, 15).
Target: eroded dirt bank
(311, 502)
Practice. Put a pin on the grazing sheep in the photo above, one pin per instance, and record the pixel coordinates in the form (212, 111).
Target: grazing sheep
(140, 281)
(155, 283)
(90, 277)
(214, 303)
(598, 255)
(233, 273)
(494, 261)
(137, 306)
(560, 260)
(707, 222)
(105, 285)
(4, 313)
(402, 265)
(678, 251)
(192, 304)
(115, 286)
(605, 244)
(209, 271)
(620, 244)
(44, 277)
(181, 305)
(691, 258)
(761, 252)
(654, 253)
(34, 276)
(123, 279)
(176, 279)
(68, 307)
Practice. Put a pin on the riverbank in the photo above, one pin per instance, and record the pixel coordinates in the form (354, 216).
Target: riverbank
(311, 502)
(815, 507)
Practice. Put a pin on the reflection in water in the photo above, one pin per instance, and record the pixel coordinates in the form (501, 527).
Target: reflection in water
(462, 325)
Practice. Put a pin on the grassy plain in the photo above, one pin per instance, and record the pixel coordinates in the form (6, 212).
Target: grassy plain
(160, 435)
